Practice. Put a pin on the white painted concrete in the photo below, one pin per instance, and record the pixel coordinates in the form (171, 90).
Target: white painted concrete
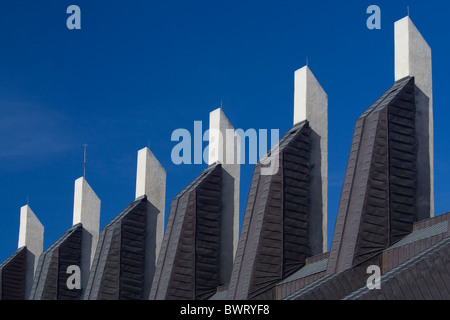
(311, 103)
(86, 210)
(151, 182)
(31, 235)
(412, 55)
(225, 147)
(413, 58)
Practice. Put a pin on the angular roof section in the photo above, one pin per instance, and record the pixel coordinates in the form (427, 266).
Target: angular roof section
(307, 270)
(189, 262)
(13, 276)
(416, 267)
(336, 286)
(426, 276)
(376, 223)
(117, 272)
(274, 239)
(51, 274)
(428, 232)
(378, 204)
(221, 293)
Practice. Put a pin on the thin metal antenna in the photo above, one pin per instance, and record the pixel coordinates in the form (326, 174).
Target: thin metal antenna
(28, 202)
(407, 8)
(84, 161)
(220, 103)
(307, 61)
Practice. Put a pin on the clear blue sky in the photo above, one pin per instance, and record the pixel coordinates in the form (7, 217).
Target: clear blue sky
(137, 70)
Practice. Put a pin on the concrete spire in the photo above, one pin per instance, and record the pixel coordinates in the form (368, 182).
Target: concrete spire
(311, 103)
(149, 174)
(413, 58)
(310, 100)
(412, 55)
(225, 147)
(31, 235)
(151, 182)
(86, 210)
(31, 232)
(224, 142)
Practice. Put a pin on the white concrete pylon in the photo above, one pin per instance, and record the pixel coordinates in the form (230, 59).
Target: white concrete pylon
(86, 210)
(310, 100)
(413, 58)
(311, 103)
(31, 232)
(151, 181)
(412, 55)
(225, 148)
(31, 235)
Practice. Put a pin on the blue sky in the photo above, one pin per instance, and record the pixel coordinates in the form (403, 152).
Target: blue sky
(138, 70)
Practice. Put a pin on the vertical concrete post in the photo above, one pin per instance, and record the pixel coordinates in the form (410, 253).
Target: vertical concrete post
(311, 103)
(225, 147)
(86, 210)
(413, 58)
(151, 182)
(31, 235)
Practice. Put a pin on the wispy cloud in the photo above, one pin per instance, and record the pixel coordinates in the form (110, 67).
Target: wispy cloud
(31, 131)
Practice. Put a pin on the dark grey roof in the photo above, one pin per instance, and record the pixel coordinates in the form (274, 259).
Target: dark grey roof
(420, 234)
(425, 276)
(307, 270)
(221, 295)
(50, 278)
(378, 199)
(275, 236)
(337, 285)
(12, 257)
(13, 276)
(189, 262)
(117, 271)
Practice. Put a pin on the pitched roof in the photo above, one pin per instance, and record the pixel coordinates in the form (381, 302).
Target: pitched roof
(307, 270)
(117, 270)
(13, 276)
(50, 276)
(275, 235)
(377, 205)
(425, 276)
(420, 234)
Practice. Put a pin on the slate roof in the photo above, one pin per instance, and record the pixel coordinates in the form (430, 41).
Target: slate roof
(274, 239)
(189, 262)
(416, 267)
(51, 274)
(117, 271)
(307, 270)
(219, 295)
(13, 276)
(378, 199)
(420, 234)
(377, 218)
(426, 276)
